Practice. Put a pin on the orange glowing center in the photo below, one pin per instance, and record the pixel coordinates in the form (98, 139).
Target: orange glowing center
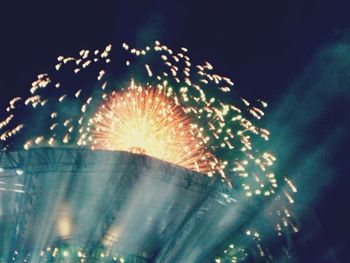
(145, 121)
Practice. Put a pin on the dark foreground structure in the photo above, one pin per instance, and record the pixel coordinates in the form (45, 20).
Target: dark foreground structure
(78, 205)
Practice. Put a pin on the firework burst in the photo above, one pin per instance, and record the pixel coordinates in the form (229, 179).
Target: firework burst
(144, 120)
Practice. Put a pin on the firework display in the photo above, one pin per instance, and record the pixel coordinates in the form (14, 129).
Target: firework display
(165, 107)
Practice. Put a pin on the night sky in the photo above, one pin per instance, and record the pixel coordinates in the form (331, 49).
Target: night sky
(293, 54)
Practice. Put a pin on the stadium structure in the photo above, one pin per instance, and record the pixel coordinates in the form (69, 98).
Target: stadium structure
(78, 205)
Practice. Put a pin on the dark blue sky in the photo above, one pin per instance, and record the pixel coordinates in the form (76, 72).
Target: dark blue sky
(261, 44)
(294, 54)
